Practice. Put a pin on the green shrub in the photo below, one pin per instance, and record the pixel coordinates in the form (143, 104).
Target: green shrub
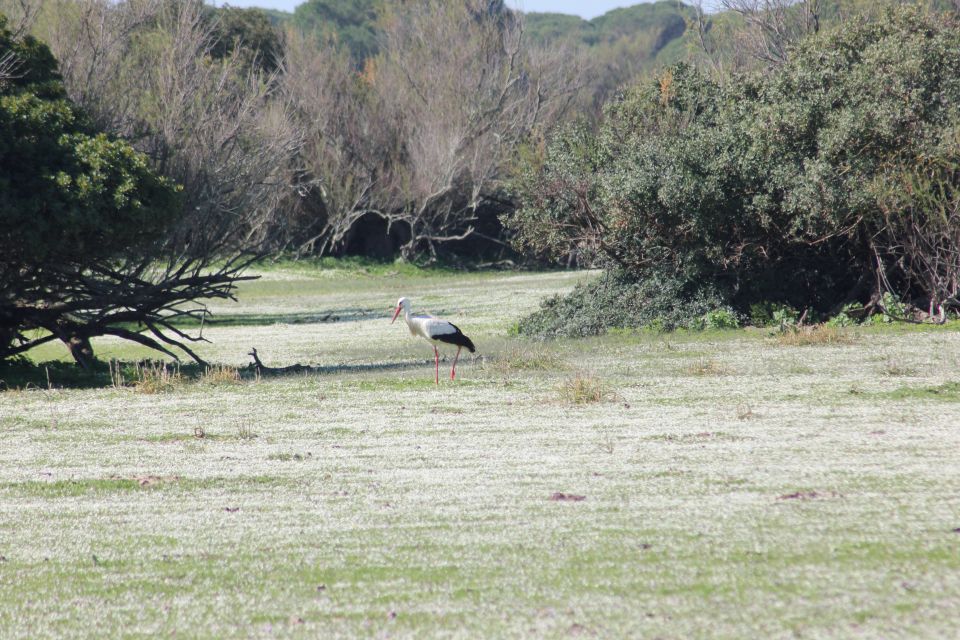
(721, 319)
(614, 300)
(755, 188)
(843, 318)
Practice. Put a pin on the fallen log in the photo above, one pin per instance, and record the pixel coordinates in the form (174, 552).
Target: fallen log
(263, 370)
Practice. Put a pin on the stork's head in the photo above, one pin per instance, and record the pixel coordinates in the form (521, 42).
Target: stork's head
(402, 305)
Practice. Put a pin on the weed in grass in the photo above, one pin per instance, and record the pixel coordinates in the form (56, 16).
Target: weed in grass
(607, 444)
(707, 367)
(800, 369)
(289, 457)
(817, 334)
(745, 412)
(584, 388)
(245, 430)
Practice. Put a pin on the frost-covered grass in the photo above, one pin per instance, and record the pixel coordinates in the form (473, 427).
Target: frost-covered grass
(732, 486)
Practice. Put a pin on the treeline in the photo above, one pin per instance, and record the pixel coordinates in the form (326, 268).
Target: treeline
(151, 149)
(778, 153)
(364, 127)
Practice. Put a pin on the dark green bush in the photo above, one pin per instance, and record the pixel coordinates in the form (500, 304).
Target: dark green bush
(614, 299)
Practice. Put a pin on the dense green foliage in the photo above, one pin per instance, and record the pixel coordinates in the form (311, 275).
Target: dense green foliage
(616, 299)
(251, 32)
(86, 224)
(765, 187)
(68, 195)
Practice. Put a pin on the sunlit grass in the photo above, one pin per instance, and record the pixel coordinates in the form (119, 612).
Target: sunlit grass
(713, 485)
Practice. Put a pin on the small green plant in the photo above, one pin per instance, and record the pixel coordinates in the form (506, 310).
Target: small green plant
(892, 309)
(844, 319)
(720, 319)
(785, 318)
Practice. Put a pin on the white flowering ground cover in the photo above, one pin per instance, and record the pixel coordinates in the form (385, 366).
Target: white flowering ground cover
(720, 485)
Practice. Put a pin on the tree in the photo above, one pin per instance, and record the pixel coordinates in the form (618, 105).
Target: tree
(248, 32)
(83, 226)
(423, 137)
(155, 73)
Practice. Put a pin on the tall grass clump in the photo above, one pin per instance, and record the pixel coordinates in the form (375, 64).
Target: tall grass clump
(146, 377)
(584, 388)
(219, 375)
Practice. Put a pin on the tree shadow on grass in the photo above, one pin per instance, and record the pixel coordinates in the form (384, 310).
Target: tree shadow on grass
(21, 376)
(267, 319)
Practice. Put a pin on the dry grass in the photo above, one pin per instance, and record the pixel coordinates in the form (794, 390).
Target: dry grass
(147, 377)
(584, 388)
(814, 335)
(707, 367)
(220, 374)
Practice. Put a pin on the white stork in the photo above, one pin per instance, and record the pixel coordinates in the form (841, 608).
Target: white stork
(435, 330)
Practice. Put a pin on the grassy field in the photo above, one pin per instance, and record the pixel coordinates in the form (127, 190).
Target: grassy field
(720, 484)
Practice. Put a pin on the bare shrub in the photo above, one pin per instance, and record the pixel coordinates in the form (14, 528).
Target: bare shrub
(423, 136)
(773, 26)
(145, 70)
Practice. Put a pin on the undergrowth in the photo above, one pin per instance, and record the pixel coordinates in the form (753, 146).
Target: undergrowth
(613, 300)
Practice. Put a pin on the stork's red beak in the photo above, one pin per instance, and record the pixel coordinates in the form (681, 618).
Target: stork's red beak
(395, 314)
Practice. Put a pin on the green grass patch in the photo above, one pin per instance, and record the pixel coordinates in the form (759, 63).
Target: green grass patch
(948, 392)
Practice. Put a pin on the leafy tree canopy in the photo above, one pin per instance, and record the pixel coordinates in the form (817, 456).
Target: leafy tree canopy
(67, 193)
(70, 198)
(250, 30)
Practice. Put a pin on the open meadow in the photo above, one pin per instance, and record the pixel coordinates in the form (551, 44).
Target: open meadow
(726, 484)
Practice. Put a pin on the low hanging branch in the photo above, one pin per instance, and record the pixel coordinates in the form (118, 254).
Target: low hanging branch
(136, 302)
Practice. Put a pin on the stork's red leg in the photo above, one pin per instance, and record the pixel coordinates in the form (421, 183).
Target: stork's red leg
(453, 370)
(436, 360)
